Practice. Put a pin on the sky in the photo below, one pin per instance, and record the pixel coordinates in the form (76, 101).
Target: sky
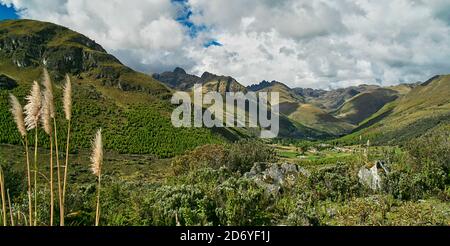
(7, 13)
(302, 43)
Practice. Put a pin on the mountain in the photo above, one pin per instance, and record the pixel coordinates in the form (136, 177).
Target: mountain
(309, 92)
(221, 84)
(180, 80)
(28, 44)
(293, 105)
(287, 95)
(333, 99)
(423, 108)
(317, 113)
(132, 108)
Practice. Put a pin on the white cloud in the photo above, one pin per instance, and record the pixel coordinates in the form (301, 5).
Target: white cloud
(300, 42)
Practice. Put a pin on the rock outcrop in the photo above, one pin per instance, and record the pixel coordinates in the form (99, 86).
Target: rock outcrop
(372, 176)
(274, 177)
(180, 80)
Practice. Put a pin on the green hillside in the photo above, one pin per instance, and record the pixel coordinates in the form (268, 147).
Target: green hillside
(363, 105)
(316, 118)
(132, 108)
(287, 95)
(425, 107)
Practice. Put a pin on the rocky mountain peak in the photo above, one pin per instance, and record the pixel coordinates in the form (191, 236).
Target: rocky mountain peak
(179, 70)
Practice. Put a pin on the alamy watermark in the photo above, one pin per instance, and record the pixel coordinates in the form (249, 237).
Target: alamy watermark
(252, 110)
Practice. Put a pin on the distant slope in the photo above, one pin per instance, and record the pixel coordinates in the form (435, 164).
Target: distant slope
(292, 105)
(316, 118)
(132, 108)
(286, 94)
(365, 104)
(423, 108)
(333, 99)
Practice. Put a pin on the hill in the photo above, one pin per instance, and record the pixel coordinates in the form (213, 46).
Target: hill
(365, 104)
(424, 108)
(331, 100)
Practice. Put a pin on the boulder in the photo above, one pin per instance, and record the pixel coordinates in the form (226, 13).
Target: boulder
(372, 176)
(274, 177)
(7, 83)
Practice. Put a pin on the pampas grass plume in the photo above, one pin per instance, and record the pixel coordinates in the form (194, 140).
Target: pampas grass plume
(67, 98)
(97, 154)
(33, 107)
(17, 112)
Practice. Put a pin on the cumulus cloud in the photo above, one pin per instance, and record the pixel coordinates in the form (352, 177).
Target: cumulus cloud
(320, 44)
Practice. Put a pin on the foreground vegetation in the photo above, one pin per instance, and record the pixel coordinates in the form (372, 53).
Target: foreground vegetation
(207, 186)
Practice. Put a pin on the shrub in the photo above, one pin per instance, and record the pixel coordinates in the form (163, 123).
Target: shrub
(237, 157)
(243, 154)
(336, 183)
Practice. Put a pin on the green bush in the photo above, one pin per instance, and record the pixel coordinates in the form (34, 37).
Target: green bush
(237, 157)
(336, 183)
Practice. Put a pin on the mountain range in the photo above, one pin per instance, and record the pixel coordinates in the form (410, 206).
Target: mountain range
(134, 108)
(331, 113)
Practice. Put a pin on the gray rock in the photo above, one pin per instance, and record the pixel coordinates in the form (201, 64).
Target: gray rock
(275, 177)
(372, 177)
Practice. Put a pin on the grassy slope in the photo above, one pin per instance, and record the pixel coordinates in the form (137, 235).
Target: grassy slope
(422, 109)
(132, 108)
(363, 105)
(307, 115)
(316, 118)
(286, 93)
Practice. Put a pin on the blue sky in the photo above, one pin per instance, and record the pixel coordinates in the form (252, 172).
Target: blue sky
(7, 13)
(184, 18)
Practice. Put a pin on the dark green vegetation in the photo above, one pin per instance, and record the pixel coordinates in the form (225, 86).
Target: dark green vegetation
(207, 187)
(155, 174)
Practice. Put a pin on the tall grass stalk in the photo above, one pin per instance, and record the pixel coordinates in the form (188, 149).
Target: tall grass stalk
(47, 125)
(96, 166)
(11, 214)
(52, 199)
(30, 202)
(51, 109)
(67, 100)
(33, 112)
(2, 193)
(58, 170)
(35, 174)
(17, 112)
